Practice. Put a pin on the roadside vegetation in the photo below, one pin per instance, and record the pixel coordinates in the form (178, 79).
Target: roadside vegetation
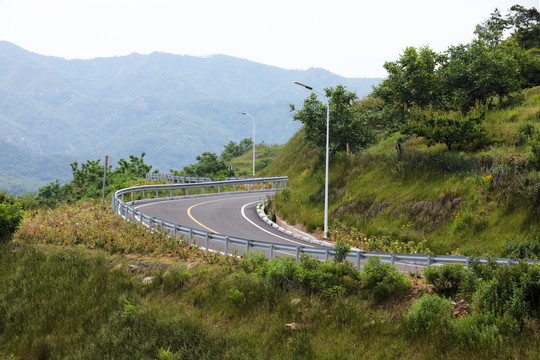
(442, 157)
(424, 165)
(76, 282)
(235, 160)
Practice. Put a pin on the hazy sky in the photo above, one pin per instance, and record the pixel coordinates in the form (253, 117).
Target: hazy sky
(347, 37)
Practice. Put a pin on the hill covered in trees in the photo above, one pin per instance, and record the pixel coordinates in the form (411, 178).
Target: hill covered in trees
(442, 157)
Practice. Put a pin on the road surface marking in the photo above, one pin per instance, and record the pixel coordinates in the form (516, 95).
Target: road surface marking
(192, 218)
(252, 223)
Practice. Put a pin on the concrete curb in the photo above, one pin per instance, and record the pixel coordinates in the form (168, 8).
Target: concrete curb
(262, 215)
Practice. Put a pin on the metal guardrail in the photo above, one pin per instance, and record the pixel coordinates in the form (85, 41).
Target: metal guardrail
(175, 179)
(125, 209)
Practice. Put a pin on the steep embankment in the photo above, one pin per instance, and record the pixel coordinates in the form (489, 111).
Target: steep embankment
(482, 201)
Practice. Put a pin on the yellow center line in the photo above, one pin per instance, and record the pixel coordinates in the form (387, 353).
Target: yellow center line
(192, 218)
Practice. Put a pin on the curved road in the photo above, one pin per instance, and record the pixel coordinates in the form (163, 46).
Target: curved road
(234, 215)
(230, 214)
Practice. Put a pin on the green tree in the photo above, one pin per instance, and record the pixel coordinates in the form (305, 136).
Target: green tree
(446, 127)
(492, 30)
(526, 26)
(412, 79)
(233, 149)
(347, 127)
(207, 164)
(477, 72)
(52, 194)
(135, 168)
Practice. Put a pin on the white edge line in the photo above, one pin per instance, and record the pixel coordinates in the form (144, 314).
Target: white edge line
(252, 223)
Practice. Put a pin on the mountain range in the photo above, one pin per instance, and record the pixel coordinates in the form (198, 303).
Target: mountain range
(172, 107)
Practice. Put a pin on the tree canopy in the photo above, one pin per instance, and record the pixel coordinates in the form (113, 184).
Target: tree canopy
(347, 126)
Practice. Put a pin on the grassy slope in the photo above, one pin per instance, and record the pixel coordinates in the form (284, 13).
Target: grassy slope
(264, 155)
(447, 199)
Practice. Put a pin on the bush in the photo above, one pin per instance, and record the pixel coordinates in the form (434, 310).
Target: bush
(341, 250)
(525, 249)
(385, 280)
(311, 275)
(236, 297)
(449, 279)
(11, 216)
(512, 291)
(430, 314)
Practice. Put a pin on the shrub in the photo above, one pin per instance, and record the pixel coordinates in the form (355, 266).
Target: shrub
(430, 314)
(11, 216)
(236, 297)
(341, 250)
(525, 249)
(512, 291)
(449, 279)
(385, 280)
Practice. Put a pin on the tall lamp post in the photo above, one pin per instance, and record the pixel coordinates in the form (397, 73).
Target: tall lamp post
(327, 145)
(251, 116)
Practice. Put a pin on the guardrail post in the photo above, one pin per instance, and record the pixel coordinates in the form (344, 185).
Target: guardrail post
(143, 194)
(392, 259)
(190, 235)
(271, 251)
(203, 189)
(187, 192)
(234, 188)
(122, 197)
(358, 259)
(247, 248)
(170, 192)
(326, 255)
(175, 230)
(428, 262)
(151, 222)
(219, 189)
(226, 246)
(132, 198)
(157, 194)
(468, 262)
(207, 241)
(297, 253)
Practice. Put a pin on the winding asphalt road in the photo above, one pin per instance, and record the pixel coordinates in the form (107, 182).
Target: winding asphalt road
(231, 214)
(234, 215)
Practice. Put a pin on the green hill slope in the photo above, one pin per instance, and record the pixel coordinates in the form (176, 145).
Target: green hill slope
(483, 202)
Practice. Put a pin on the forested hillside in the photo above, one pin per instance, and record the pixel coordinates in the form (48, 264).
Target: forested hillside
(442, 157)
(172, 107)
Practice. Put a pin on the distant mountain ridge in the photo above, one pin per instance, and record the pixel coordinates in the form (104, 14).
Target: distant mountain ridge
(173, 107)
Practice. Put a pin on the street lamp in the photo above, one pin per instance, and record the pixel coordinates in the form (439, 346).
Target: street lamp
(327, 145)
(248, 114)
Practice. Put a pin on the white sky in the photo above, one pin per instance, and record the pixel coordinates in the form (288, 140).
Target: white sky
(347, 37)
